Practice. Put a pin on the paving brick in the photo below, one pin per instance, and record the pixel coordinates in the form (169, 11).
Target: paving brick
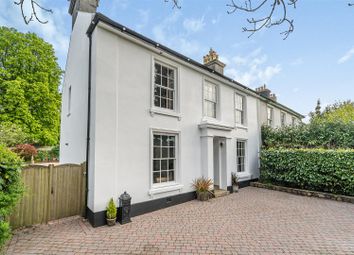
(252, 221)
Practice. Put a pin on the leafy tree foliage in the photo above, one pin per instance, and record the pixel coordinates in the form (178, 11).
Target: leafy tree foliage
(29, 81)
(338, 112)
(11, 134)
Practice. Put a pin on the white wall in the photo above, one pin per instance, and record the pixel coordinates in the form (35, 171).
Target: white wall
(123, 122)
(73, 123)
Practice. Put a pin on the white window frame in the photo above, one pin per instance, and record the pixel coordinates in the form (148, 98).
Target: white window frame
(271, 119)
(293, 121)
(175, 112)
(243, 111)
(205, 114)
(158, 187)
(245, 165)
(282, 121)
(69, 100)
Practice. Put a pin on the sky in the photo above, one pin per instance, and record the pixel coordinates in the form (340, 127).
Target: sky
(315, 62)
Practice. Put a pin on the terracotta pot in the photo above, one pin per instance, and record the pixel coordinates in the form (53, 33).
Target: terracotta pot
(203, 195)
(111, 222)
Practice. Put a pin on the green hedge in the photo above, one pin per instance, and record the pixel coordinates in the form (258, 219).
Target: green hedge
(11, 188)
(329, 135)
(313, 169)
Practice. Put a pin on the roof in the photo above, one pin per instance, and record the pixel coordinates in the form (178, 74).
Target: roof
(99, 17)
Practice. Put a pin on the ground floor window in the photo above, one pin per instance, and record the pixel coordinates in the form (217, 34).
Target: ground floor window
(164, 158)
(241, 155)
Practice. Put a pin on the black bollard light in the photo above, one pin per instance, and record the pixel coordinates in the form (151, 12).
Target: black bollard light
(124, 208)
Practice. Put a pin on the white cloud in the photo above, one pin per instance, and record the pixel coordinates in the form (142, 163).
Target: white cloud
(167, 33)
(347, 56)
(252, 69)
(194, 25)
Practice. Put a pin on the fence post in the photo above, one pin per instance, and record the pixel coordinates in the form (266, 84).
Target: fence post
(50, 186)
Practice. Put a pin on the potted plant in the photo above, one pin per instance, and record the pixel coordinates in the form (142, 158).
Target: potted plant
(111, 214)
(202, 187)
(234, 182)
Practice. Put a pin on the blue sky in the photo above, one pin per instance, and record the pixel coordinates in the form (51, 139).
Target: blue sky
(316, 61)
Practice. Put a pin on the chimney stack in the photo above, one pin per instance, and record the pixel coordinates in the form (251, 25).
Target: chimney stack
(264, 91)
(212, 61)
(76, 6)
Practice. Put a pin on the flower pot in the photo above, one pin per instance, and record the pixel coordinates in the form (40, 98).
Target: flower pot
(235, 188)
(203, 195)
(111, 222)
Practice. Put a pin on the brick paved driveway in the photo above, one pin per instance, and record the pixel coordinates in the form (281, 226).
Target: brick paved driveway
(253, 221)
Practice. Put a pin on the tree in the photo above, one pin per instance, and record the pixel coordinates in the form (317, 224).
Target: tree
(29, 81)
(337, 112)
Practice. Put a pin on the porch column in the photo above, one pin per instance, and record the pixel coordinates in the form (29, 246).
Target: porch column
(207, 156)
(230, 160)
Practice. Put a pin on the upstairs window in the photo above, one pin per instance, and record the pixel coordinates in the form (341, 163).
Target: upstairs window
(293, 121)
(241, 156)
(210, 100)
(282, 118)
(269, 116)
(164, 87)
(239, 109)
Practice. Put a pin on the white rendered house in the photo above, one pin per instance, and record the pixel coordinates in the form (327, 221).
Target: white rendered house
(148, 120)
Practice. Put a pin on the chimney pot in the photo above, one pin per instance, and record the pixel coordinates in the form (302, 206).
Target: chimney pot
(212, 61)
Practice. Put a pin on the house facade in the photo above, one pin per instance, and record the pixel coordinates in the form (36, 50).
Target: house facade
(148, 120)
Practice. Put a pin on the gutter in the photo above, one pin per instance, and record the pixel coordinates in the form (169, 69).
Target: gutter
(88, 122)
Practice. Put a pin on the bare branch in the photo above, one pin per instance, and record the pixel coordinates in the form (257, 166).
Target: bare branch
(175, 3)
(268, 20)
(34, 15)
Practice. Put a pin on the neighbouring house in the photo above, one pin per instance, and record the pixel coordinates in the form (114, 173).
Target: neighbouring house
(149, 120)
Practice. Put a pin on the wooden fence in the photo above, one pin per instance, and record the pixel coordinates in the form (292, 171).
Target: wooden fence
(51, 192)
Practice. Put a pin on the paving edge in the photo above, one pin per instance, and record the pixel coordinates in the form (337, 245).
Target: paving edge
(302, 192)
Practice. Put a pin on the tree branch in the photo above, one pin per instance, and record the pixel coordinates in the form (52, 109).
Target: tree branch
(34, 15)
(175, 3)
(256, 24)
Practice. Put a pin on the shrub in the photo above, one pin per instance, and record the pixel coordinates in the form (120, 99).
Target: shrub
(27, 151)
(11, 187)
(313, 169)
(314, 135)
(47, 156)
(11, 134)
(111, 210)
(202, 184)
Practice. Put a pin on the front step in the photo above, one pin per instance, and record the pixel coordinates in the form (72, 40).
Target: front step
(220, 193)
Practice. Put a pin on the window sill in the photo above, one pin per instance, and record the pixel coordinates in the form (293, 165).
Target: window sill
(170, 113)
(164, 189)
(243, 176)
(239, 126)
